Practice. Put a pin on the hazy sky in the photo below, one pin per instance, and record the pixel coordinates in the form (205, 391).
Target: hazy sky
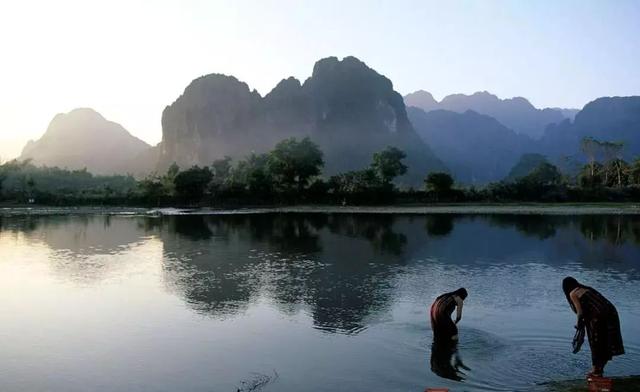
(129, 59)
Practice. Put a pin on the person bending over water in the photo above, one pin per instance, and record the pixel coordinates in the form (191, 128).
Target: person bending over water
(600, 318)
(444, 329)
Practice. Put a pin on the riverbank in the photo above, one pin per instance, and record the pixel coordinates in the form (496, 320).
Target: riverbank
(466, 209)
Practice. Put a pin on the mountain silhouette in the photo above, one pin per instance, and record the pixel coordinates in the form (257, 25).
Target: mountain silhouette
(515, 113)
(475, 147)
(346, 107)
(83, 138)
(606, 119)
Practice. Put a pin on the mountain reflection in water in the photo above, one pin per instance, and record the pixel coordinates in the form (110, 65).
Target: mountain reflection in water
(368, 278)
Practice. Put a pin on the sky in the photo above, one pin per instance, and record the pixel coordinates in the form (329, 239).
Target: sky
(130, 59)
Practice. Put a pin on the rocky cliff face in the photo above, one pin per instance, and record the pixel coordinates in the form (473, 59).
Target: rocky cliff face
(515, 113)
(83, 138)
(346, 107)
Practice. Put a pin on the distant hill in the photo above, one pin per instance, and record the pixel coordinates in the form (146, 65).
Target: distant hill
(477, 148)
(605, 119)
(567, 113)
(83, 138)
(349, 109)
(515, 113)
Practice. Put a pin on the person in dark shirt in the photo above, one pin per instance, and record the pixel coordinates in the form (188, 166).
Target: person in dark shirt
(444, 329)
(600, 318)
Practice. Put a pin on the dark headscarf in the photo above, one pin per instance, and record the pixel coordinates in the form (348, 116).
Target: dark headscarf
(461, 292)
(568, 285)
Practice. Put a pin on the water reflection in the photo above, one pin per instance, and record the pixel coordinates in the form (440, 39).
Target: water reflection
(337, 267)
(340, 269)
(446, 361)
(266, 284)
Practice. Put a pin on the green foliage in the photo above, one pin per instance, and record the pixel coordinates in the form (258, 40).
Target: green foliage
(191, 184)
(387, 164)
(525, 165)
(355, 182)
(290, 173)
(22, 181)
(439, 183)
(293, 163)
(152, 189)
(633, 172)
(544, 174)
(252, 176)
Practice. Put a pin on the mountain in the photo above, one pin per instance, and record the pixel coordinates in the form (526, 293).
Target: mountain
(515, 113)
(567, 113)
(349, 109)
(605, 119)
(83, 138)
(477, 148)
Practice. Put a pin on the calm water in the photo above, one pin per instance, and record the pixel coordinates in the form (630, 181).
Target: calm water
(301, 302)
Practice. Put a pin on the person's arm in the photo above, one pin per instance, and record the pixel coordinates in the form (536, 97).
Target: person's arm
(459, 303)
(576, 303)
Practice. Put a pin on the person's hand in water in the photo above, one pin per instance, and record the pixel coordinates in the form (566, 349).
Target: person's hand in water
(458, 364)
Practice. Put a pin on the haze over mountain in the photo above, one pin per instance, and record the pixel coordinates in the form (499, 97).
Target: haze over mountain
(606, 119)
(479, 149)
(349, 109)
(515, 113)
(475, 147)
(83, 138)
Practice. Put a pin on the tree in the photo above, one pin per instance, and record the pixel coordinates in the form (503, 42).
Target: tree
(192, 183)
(152, 189)
(252, 175)
(169, 180)
(611, 151)
(525, 165)
(591, 175)
(633, 171)
(293, 163)
(387, 164)
(355, 182)
(221, 168)
(221, 171)
(590, 148)
(543, 175)
(616, 173)
(438, 183)
(3, 175)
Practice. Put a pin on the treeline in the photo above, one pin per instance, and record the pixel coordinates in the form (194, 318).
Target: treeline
(23, 183)
(605, 177)
(291, 174)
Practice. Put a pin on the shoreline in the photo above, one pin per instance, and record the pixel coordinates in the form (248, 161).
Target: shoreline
(453, 209)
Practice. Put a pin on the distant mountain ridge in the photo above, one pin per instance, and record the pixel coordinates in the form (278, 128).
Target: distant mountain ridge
(351, 111)
(606, 119)
(83, 138)
(476, 147)
(346, 107)
(515, 113)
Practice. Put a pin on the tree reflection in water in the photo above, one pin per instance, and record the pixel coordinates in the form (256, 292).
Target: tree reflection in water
(342, 269)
